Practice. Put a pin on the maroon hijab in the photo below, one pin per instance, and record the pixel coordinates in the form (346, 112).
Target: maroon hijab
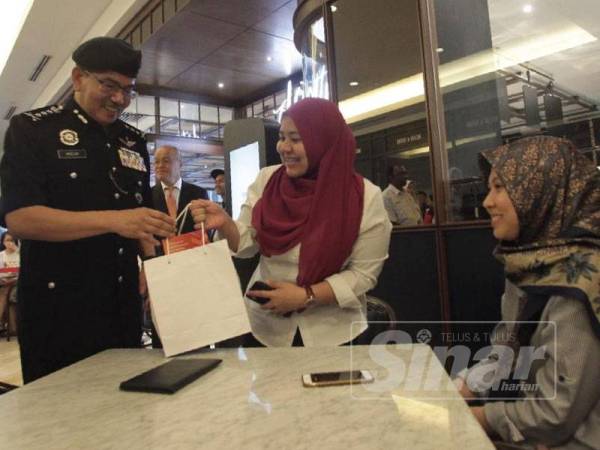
(321, 210)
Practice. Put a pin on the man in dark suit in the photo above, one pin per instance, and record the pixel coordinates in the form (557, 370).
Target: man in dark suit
(171, 194)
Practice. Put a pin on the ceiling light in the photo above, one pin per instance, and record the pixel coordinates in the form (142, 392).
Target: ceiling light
(221, 85)
(269, 58)
(439, 49)
(12, 20)
(527, 8)
(333, 8)
(353, 83)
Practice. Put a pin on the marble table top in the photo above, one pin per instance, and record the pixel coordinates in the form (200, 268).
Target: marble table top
(253, 400)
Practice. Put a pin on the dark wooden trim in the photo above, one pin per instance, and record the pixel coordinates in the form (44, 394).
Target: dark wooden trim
(437, 142)
(139, 18)
(330, 54)
(463, 225)
(306, 12)
(435, 110)
(466, 224)
(416, 228)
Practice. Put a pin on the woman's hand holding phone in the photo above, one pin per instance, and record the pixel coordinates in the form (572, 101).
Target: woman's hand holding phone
(279, 297)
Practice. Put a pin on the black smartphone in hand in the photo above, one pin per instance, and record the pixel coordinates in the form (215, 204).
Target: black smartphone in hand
(259, 286)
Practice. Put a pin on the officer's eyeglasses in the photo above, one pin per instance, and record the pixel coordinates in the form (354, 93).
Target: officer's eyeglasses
(110, 87)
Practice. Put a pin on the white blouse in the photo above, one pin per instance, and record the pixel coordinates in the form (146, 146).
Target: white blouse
(323, 325)
(9, 259)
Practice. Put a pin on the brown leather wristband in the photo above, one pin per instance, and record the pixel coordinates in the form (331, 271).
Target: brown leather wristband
(311, 299)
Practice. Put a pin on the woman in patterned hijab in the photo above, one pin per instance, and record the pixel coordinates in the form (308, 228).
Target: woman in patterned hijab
(544, 204)
(555, 191)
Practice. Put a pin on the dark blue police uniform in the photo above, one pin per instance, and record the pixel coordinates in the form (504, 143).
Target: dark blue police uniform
(75, 298)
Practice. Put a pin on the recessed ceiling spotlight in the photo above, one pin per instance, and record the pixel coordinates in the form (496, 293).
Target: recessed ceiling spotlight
(353, 83)
(221, 85)
(333, 8)
(527, 8)
(439, 49)
(269, 58)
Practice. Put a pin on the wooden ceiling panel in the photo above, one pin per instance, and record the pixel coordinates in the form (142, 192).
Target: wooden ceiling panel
(190, 36)
(240, 12)
(160, 68)
(204, 80)
(248, 52)
(279, 23)
(228, 41)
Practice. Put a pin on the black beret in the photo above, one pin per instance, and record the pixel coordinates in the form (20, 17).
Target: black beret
(216, 172)
(107, 54)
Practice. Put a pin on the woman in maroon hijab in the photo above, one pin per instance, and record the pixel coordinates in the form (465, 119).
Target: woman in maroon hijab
(321, 229)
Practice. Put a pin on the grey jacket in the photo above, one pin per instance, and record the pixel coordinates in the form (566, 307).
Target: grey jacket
(564, 411)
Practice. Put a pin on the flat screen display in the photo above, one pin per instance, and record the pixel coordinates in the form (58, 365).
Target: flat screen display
(244, 166)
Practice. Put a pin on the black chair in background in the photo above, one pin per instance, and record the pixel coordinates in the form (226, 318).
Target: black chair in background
(380, 317)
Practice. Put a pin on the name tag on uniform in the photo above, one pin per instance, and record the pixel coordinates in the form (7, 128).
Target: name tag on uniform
(72, 153)
(131, 159)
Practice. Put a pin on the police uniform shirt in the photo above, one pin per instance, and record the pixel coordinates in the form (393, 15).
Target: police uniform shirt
(75, 297)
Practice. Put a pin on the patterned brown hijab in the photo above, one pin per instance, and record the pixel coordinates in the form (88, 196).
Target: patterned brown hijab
(555, 190)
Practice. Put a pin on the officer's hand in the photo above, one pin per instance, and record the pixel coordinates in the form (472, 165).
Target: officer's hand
(208, 212)
(144, 224)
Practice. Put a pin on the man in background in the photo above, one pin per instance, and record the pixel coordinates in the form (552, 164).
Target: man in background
(400, 204)
(170, 193)
(220, 188)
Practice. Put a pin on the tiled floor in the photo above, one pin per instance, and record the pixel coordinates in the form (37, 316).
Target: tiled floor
(10, 364)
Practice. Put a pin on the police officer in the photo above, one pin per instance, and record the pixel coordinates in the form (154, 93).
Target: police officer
(75, 187)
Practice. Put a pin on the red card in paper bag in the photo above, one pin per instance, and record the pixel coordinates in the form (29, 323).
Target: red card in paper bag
(184, 242)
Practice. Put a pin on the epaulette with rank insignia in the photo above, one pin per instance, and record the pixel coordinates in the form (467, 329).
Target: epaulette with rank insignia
(133, 129)
(38, 114)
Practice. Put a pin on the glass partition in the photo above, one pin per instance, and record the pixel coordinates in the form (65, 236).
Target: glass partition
(510, 69)
(380, 90)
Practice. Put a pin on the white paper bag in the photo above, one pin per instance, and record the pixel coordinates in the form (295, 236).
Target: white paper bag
(196, 297)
